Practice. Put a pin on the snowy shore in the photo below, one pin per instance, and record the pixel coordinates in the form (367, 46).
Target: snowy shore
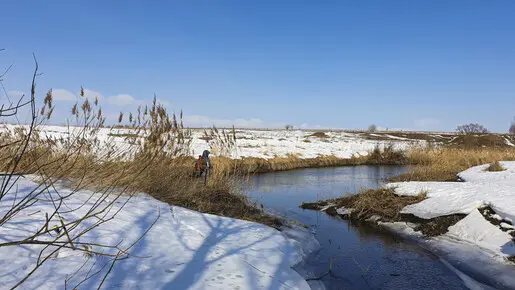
(184, 250)
(481, 243)
(480, 189)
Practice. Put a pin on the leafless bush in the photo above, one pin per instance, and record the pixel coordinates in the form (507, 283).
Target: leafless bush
(372, 128)
(512, 127)
(472, 128)
(288, 127)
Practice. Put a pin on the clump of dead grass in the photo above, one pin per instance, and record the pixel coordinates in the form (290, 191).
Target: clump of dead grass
(382, 202)
(387, 155)
(495, 166)
(322, 135)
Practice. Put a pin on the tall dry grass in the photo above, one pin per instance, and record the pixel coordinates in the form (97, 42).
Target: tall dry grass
(252, 165)
(443, 164)
(385, 155)
(157, 161)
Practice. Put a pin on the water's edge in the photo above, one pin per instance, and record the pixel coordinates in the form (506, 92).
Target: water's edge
(363, 256)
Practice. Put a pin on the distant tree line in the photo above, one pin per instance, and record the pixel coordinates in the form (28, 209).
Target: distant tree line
(474, 128)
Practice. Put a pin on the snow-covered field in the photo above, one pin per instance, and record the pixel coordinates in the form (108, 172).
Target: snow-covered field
(474, 240)
(268, 144)
(262, 143)
(183, 250)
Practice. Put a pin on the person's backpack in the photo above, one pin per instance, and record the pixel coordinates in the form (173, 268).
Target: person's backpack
(198, 165)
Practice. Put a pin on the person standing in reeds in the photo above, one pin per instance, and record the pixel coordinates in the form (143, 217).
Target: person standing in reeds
(203, 165)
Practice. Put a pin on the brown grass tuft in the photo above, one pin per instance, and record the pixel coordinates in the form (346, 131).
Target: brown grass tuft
(495, 166)
(387, 155)
(382, 202)
(319, 135)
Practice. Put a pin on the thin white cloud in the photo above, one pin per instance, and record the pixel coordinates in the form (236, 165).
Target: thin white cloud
(306, 126)
(163, 102)
(203, 121)
(123, 100)
(92, 95)
(15, 95)
(63, 95)
(427, 124)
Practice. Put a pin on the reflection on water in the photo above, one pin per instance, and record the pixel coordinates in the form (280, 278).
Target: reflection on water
(365, 257)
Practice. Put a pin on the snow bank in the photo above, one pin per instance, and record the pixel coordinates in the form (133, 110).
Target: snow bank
(477, 246)
(184, 250)
(476, 230)
(481, 188)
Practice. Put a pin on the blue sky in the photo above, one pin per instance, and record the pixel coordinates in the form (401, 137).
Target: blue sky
(420, 65)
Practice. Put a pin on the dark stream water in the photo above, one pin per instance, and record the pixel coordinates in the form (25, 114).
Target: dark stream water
(366, 257)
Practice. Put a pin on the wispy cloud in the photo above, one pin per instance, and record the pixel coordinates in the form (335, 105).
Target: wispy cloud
(113, 105)
(163, 102)
(123, 100)
(63, 95)
(427, 124)
(119, 100)
(203, 121)
(15, 95)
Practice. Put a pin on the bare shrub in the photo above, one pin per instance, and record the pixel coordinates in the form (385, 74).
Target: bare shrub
(288, 127)
(512, 127)
(472, 128)
(495, 167)
(372, 128)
